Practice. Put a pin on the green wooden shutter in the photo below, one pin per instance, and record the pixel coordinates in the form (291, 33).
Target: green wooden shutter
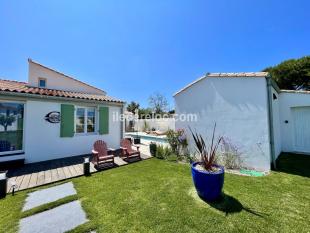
(67, 120)
(103, 120)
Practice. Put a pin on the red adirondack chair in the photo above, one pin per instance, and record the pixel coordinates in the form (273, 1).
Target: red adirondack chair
(101, 154)
(127, 150)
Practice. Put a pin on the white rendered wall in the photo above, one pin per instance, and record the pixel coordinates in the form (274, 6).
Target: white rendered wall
(276, 122)
(43, 141)
(57, 81)
(238, 106)
(159, 124)
(288, 101)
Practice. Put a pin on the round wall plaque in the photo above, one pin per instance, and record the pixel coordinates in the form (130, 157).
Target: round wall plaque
(53, 117)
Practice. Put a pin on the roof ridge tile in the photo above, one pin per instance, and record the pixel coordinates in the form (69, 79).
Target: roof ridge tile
(22, 87)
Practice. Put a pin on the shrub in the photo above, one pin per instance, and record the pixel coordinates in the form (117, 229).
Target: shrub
(177, 140)
(160, 152)
(163, 152)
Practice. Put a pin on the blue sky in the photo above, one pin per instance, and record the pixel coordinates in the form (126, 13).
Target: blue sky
(132, 48)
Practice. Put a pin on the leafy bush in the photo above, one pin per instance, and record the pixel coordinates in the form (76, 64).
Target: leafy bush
(172, 138)
(160, 152)
(177, 141)
(163, 152)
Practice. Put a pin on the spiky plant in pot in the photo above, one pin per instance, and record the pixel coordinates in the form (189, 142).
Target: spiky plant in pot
(208, 177)
(207, 155)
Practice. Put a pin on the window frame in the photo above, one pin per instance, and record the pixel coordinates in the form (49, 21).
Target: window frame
(42, 79)
(22, 150)
(86, 108)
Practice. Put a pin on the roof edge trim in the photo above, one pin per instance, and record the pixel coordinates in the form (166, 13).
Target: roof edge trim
(225, 75)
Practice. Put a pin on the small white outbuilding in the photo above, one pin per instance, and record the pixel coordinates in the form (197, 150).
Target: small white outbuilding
(251, 111)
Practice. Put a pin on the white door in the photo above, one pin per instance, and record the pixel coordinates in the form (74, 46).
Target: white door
(301, 116)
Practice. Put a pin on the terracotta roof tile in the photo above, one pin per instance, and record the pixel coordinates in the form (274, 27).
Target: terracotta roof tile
(295, 91)
(22, 87)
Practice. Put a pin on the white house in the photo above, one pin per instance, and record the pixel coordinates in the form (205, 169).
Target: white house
(250, 110)
(54, 116)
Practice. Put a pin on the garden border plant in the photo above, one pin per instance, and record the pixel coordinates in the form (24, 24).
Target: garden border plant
(178, 142)
(230, 156)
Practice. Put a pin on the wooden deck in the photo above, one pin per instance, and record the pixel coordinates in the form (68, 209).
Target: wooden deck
(37, 174)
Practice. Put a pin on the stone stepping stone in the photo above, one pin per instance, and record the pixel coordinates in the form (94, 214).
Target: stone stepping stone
(48, 195)
(60, 219)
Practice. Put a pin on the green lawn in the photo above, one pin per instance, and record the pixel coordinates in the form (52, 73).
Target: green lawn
(158, 196)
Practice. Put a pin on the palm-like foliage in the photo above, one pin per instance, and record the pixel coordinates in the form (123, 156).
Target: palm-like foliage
(207, 155)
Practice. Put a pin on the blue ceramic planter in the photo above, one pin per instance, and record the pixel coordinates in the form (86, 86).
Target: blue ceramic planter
(208, 184)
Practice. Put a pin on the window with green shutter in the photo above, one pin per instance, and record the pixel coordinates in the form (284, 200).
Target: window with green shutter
(85, 120)
(103, 120)
(67, 120)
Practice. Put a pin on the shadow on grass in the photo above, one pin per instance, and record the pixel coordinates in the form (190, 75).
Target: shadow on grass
(296, 164)
(230, 205)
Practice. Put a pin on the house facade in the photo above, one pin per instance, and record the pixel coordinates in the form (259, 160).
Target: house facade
(250, 111)
(54, 116)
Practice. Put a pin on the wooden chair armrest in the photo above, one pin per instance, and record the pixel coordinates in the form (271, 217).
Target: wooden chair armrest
(138, 147)
(94, 157)
(111, 149)
(125, 151)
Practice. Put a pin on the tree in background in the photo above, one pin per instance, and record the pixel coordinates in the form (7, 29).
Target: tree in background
(6, 120)
(132, 107)
(145, 113)
(293, 74)
(158, 103)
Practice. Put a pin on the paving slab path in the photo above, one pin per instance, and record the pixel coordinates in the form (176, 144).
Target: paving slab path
(48, 195)
(60, 219)
(57, 220)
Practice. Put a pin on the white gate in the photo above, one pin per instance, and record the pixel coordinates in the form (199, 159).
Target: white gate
(301, 116)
